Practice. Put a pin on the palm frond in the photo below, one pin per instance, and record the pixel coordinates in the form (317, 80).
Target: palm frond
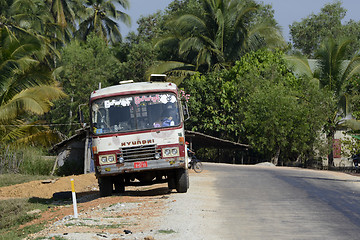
(175, 69)
(33, 134)
(301, 65)
(351, 123)
(35, 100)
(189, 24)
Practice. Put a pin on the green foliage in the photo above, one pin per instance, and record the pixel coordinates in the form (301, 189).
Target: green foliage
(339, 79)
(100, 18)
(260, 102)
(35, 163)
(215, 105)
(310, 32)
(83, 67)
(350, 146)
(25, 161)
(282, 112)
(216, 34)
(27, 87)
(135, 59)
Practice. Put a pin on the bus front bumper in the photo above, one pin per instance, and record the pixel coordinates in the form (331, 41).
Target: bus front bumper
(139, 166)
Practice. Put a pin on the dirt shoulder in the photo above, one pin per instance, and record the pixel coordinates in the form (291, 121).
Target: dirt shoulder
(140, 213)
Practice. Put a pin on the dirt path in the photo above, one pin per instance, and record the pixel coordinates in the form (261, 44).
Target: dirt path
(150, 212)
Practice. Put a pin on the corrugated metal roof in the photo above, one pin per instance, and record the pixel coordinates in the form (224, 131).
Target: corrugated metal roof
(203, 140)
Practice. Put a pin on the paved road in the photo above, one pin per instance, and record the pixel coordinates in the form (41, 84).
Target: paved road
(257, 202)
(286, 203)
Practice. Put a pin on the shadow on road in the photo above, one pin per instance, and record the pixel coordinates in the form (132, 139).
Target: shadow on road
(148, 193)
(88, 196)
(329, 179)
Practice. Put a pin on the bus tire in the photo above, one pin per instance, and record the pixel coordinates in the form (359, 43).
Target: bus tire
(105, 186)
(182, 180)
(171, 181)
(119, 184)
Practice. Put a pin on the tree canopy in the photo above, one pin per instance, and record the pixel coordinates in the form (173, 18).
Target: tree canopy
(216, 35)
(311, 31)
(260, 102)
(229, 54)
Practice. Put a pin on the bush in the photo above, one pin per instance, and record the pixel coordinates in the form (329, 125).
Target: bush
(25, 161)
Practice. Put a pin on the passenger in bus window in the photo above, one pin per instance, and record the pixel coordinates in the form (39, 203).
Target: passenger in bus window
(157, 124)
(167, 119)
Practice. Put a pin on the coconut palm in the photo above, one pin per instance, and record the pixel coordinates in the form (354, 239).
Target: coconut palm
(101, 17)
(55, 19)
(65, 14)
(219, 34)
(332, 72)
(26, 85)
(64, 11)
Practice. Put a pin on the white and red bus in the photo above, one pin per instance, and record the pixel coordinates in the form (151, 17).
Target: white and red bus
(138, 136)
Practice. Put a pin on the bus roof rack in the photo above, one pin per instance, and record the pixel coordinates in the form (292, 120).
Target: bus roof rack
(126, 81)
(158, 78)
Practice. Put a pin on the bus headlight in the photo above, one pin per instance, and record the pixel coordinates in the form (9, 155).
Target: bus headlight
(157, 155)
(167, 152)
(107, 159)
(111, 159)
(103, 159)
(170, 152)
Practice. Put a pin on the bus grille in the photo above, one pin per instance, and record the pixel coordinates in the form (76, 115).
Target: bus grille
(139, 153)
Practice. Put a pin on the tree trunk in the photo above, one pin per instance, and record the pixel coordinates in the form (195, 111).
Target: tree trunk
(275, 159)
(330, 139)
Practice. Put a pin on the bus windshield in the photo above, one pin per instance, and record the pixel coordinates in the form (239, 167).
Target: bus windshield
(137, 112)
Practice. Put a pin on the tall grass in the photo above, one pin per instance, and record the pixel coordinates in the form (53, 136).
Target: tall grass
(7, 179)
(25, 161)
(15, 212)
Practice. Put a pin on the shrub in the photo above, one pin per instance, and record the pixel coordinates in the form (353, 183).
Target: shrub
(25, 161)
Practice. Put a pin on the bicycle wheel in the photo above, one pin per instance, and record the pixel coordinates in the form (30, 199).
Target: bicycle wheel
(198, 167)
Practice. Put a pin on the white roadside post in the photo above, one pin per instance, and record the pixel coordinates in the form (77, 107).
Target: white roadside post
(74, 198)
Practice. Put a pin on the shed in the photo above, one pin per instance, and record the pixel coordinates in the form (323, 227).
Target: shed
(75, 152)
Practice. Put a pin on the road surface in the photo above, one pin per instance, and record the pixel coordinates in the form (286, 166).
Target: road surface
(227, 202)
(258, 202)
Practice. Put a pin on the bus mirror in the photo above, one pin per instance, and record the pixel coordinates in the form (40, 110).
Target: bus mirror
(186, 112)
(81, 116)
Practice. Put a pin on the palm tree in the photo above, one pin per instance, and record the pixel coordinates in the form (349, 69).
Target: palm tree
(65, 14)
(101, 16)
(218, 35)
(26, 85)
(53, 19)
(332, 73)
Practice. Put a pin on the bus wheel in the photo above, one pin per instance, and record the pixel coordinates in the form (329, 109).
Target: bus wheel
(105, 186)
(119, 184)
(182, 180)
(171, 180)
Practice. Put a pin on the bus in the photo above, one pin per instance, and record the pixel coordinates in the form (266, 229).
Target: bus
(138, 136)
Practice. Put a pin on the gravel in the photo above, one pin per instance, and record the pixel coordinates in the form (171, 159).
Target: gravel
(142, 213)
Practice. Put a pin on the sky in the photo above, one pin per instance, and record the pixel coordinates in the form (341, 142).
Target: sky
(286, 11)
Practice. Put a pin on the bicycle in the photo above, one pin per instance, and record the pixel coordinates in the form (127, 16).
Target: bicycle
(195, 163)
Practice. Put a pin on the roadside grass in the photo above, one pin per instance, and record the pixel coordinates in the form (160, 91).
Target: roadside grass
(8, 179)
(167, 231)
(14, 213)
(28, 160)
(19, 166)
(54, 238)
